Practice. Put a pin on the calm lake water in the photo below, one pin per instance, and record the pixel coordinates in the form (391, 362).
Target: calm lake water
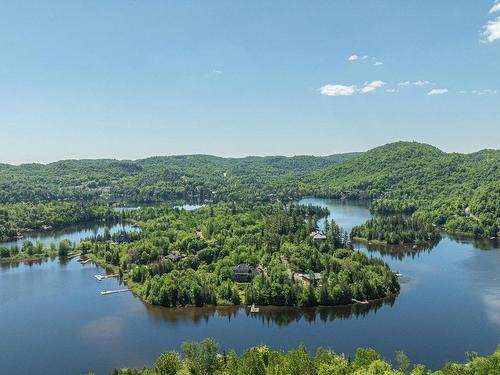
(74, 233)
(52, 316)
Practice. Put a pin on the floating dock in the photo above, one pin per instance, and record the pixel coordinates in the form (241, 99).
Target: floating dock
(106, 292)
(365, 302)
(103, 277)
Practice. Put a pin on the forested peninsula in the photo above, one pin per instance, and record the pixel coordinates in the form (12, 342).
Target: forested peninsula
(228, 254)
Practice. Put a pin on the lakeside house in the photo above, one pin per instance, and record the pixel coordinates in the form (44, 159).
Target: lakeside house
(175, 256)
(245, 273)
(307, 278)
(318, 236)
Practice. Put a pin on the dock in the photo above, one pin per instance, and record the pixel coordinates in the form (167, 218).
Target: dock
(106, 292)
(365, 302)
(254, 309)
(103, 277)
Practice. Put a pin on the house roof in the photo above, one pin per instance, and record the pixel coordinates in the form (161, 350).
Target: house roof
(242, 268)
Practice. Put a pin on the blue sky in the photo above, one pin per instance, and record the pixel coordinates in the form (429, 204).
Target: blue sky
(135, 78)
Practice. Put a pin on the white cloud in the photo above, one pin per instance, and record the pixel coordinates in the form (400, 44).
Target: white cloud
(421, 83)
(463, 92)
(364, 59)
(372, 86)
(495, 8)
(492, 30)
(391, 91)
(437, 92)
(344, 90)
(404, 84)
(337, 90)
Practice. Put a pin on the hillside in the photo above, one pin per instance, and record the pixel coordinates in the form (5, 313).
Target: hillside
(155, 178)
(459, 191)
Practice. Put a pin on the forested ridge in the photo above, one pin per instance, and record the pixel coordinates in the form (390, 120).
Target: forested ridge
(155, 178)
(207, 358)
(459, 192)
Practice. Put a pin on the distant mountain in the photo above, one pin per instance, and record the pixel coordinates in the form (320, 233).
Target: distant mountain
(155, 178)
(460, 191)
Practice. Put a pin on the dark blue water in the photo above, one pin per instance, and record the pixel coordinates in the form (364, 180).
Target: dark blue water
(52, 316)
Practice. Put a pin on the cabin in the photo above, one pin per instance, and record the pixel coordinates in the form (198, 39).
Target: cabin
(244, 273)
(318, 236)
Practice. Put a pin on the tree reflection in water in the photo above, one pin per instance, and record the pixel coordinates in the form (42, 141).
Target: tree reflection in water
(277, 315)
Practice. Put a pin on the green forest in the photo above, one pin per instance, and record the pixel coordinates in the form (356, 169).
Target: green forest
(206, 358)
(396, 230)
(457, 192)
(18, 218)
(188, 258)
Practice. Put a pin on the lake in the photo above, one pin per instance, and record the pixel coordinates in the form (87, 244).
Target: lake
(74, 233)
(52, 316)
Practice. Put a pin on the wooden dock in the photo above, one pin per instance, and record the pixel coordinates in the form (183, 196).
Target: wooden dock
(365, 302)
(106, 292)
(103, 277)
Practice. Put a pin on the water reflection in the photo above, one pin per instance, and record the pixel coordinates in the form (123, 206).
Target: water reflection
(74, 233)
(398, 252)
(280, 316)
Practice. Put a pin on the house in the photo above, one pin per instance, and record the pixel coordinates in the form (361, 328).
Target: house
(245, 273)
(307, 278)
(175, 256)
(318, 236)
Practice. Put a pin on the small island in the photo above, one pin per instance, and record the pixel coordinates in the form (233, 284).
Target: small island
(396, 230)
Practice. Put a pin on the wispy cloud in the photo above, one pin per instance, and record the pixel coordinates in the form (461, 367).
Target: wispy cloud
(371, 86)
(348, 90)
(337, 90)
(421, 83)
(485, 92)
(437, 92)
(495, 8)
(365, 58)
(416, 83)
(492, 30)
(391, 91)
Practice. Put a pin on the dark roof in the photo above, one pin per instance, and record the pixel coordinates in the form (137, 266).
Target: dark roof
(242, 268)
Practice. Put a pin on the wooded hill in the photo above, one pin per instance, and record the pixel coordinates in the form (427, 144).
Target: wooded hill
(458, 191)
